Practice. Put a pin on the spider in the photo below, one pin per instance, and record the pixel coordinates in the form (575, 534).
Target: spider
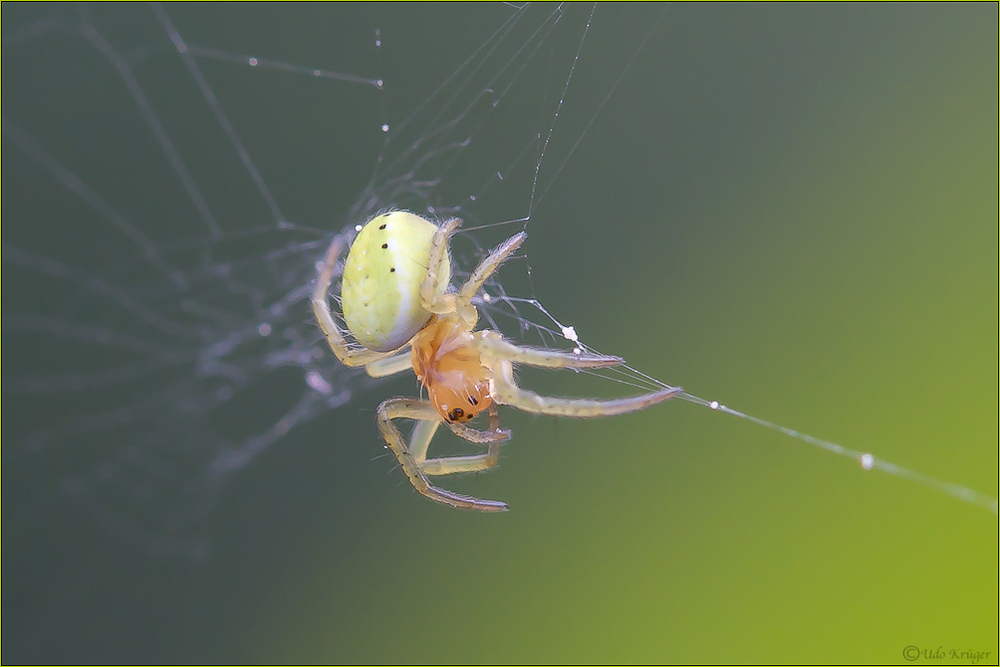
(395, 295)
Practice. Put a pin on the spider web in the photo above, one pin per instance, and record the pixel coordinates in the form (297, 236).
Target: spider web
(159, 319)
(161, 286)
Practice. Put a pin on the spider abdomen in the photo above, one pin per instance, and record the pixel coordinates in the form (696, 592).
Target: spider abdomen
(380, 288)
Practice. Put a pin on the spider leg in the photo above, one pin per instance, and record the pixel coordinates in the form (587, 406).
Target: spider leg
(494, 434)
(390, 365)
(424, 431)
(506, 392)
(420, 439)
(321, 309)
(438, 254)
(490, 263)
(493, 346)
(453, 464)
(416, 467)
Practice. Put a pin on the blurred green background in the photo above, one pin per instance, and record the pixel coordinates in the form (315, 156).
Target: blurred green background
(790, 209)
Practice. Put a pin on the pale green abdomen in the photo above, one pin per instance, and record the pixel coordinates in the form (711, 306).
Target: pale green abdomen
(380, 289)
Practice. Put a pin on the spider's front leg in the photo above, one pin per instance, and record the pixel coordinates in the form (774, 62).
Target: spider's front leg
(412, 457)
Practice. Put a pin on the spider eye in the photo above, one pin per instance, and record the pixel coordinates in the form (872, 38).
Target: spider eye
(473, 400)
(456, 414)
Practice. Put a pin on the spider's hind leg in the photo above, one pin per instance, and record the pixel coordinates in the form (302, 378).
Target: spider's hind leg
(320, 302)
(506, 392)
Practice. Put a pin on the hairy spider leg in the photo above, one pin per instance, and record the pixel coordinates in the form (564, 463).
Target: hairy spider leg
(500, 356)
(506, 392)
(438, 253)
(321, 309)
(390, 365)
(488, 266)
(450, 303)
(494, 346)
(412, 458)
(448, 465)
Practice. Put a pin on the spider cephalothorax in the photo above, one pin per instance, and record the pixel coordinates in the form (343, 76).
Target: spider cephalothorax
(395, 294)
(446, 361)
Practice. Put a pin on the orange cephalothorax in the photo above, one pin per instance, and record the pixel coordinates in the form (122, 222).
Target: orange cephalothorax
(446, 361)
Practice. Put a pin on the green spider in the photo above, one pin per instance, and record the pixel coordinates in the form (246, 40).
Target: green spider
(395, 295)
